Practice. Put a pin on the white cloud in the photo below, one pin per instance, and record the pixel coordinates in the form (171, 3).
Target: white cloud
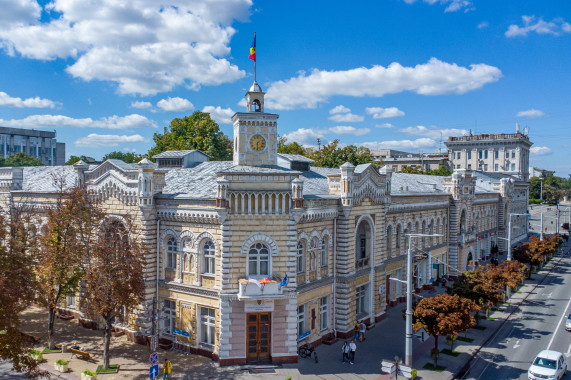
(7, 100)
(129, 150)
(401, 144)
(346, 118)
(143, 46)
(54, 121)
(339, 109)
(540, 150)
(531, 114)
(451, 5)
(483, 25)
(384, 113)
(433, 132)
(539, 26)
(93, 140)
(346, 130)
(219, 114)
(306, 136)
(175, 104)
(385, 125)
(141, 105)
(432, 78)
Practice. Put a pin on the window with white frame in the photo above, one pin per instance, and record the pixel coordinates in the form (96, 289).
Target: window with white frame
(171, 253)
(209, 255)
(259, 260)
(324, 313)
(300, 254)
(300, 320)
(169, 315)
(312, 254)
(71, 302)
(361, 297)
(207, 325)
(324, 251)
(513, 167)
(496, 167)
(469, 155)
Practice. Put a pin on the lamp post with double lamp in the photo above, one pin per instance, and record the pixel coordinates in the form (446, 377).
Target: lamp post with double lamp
(408, 338)
(509, 238)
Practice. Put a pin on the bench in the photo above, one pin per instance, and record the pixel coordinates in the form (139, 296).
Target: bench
(79, 353)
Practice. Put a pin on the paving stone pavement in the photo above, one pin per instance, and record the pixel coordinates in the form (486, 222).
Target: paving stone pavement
(384, 341)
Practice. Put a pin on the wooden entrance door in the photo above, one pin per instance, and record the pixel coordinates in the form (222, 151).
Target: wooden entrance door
(258, 337)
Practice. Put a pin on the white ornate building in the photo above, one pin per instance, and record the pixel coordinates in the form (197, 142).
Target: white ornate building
(216, 230)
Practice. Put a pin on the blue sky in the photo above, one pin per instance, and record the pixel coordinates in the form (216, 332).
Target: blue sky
(393, 73)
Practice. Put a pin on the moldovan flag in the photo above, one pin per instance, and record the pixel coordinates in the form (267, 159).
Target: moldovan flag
(253, 50)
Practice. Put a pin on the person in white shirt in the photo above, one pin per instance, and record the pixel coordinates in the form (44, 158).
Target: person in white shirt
(352, 348)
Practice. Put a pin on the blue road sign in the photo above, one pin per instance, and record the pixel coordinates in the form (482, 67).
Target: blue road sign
(154, 371)
(181, 333)
(154, 358)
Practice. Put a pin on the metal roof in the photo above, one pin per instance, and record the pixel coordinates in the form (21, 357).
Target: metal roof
(177, 153)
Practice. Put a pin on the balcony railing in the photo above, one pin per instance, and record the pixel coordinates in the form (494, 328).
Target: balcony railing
(362, 263)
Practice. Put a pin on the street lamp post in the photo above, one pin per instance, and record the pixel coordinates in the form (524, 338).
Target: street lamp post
(509, 258)
(541, 188)
(408, 338)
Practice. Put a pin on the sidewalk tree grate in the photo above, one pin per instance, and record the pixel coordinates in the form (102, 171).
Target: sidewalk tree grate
(463, 339)
(113, 368)
(447, 351)
(430, 366)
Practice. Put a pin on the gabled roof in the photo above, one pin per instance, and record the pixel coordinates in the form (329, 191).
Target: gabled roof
(294, 157)
(178, 153)
(42, 178)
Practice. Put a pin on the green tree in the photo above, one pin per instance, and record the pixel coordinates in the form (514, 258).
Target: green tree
(291, 148)
(197, 131)
(331, 156)
(22, 159)
(441, 171)
(73, 159)
(129, 158)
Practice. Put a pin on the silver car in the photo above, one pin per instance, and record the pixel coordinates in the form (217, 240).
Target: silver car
(568, 323)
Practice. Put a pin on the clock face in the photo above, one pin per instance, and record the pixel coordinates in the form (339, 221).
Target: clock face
(257, 143)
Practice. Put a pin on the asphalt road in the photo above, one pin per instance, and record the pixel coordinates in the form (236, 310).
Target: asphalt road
(549, 218)
(537, 325)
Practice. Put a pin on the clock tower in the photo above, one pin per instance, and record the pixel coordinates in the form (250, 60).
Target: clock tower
(255, 132)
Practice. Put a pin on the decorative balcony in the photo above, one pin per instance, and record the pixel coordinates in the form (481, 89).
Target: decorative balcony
(252, 288)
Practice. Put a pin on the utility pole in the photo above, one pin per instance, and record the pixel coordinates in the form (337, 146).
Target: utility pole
(541, 231)
(509, 258)
(408, 344)
(557, 227)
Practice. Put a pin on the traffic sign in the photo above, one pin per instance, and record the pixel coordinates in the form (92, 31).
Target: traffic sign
(154, 358)
(154, 371)
(389, 367)
(405, 371)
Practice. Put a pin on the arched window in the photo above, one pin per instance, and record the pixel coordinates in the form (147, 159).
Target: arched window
(300, 266)
(324, 251)
(423, 232)
(208, 253)
(313, 254)
(389, 240)
(171, 253)
(398, 238)
(259, 260)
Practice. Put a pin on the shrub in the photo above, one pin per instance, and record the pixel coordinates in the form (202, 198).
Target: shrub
(62, 362)
(414, 373)
(89, 373)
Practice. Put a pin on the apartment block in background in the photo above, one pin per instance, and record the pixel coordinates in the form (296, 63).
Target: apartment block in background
(38, 144)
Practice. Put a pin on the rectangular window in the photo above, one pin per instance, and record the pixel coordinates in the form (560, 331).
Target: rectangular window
(469, 166)
(71, 302)
(207, 325)
(324, 252)
(507, 153)
(496, 154)
(169, 314)
(300, 319)
(360, 296)
(480, 154)
(513, 153)
(324, 313)
(486, 167)
(486, 154)
(470, 155)
(300, 254)
(458, 155)
(513, 167)
(496, 167)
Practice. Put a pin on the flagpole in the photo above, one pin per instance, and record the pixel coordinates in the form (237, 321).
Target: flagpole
(255, 60)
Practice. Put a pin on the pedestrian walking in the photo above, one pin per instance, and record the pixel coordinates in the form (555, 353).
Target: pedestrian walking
(352, 349)
(167, 368)
(345, 349)
(356, 329)
(362, 329)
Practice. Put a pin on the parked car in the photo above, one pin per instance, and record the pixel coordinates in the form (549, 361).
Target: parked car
(549, 365)
(568, 323)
